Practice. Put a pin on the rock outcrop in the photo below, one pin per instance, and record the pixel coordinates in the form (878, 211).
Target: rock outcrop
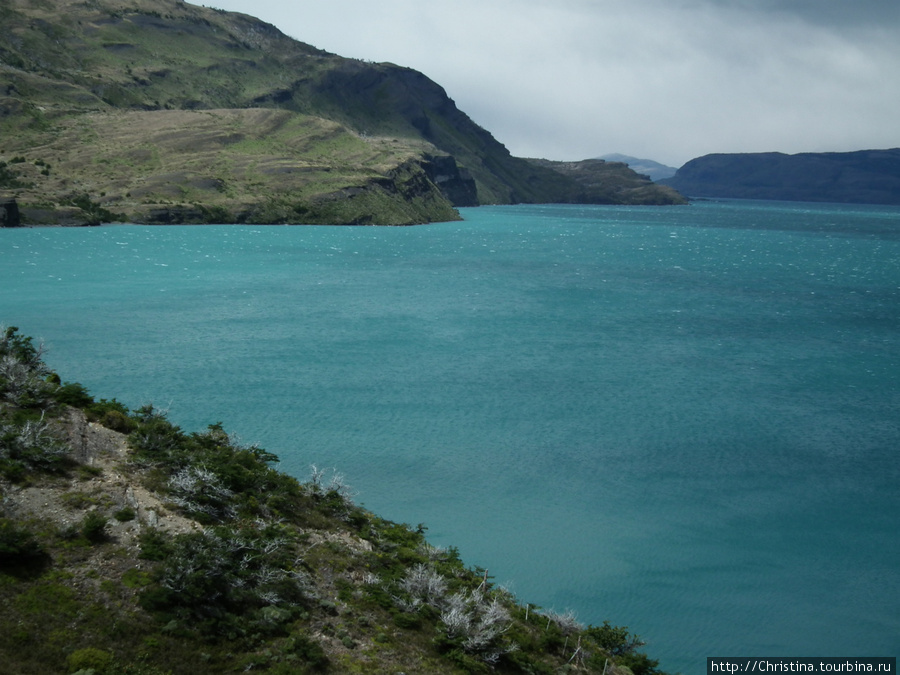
(9, 213)
(455, 184)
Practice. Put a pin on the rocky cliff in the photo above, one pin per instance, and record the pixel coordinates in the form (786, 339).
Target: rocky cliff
(9, 213)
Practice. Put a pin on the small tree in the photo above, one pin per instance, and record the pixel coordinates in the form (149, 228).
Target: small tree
(93, 527)
(615, 640)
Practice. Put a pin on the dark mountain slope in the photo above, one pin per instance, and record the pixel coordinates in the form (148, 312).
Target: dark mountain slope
(385, 99)
(867, 176)
(601, 182)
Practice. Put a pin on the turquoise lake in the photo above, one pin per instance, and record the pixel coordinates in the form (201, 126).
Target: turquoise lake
(685, 420)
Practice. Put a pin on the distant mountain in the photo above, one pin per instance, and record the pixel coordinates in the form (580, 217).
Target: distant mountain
(602, 182)
(647, 167)
(863, 177)
(163, 111)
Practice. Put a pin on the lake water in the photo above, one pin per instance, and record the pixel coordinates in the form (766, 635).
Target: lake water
(683, 419)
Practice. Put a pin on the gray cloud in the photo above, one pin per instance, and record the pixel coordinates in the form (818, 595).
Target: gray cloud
(664, 79)
(836, 13)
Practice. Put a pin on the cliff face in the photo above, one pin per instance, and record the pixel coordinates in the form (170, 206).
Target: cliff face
(9, 213)
(867, 176)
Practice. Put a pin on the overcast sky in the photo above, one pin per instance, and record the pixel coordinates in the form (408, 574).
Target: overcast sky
(668, 80)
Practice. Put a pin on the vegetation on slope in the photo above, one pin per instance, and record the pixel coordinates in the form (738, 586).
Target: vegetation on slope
(245, 166)
(128, 545)
(101, 78)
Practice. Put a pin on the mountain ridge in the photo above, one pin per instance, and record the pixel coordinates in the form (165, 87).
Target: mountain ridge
(70, 64)
(860, 177)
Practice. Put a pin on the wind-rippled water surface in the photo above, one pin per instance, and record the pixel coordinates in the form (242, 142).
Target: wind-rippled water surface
(681, 419)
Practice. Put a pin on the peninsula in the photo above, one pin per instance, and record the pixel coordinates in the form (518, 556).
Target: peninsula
(159, 111)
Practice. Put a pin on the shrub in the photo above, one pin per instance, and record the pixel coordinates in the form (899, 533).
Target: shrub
(616, 640)
(78, 500)
(73, 394)
(309, 652)
(118, 422)
(13, 471)
(155, 544)
(567, 623)
(89, 658)
(477, 622)
(93, 212)
(425, 584)
(111, 414)
(215, 577)
(21, 349)
(87, 472)
(124, 515)
(200, 493)
(16, 542)
(135, 578)
(21, 382)
(31, 444)
(408, 621)
(93, 527)
(155, 439)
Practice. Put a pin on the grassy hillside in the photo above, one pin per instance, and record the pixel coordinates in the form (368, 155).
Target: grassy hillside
(233, 165)
(128, 545)
(67, 65)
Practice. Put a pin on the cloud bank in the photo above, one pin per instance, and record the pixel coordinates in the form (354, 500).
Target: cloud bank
(663, 79)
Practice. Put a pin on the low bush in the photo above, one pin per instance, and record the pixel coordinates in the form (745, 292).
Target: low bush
(89, 659)
(93, 527)
(615, 640)
(155, 544)
(30, 443)
(16, 543)
(73, 394)
(125, 515)
(223, 574)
